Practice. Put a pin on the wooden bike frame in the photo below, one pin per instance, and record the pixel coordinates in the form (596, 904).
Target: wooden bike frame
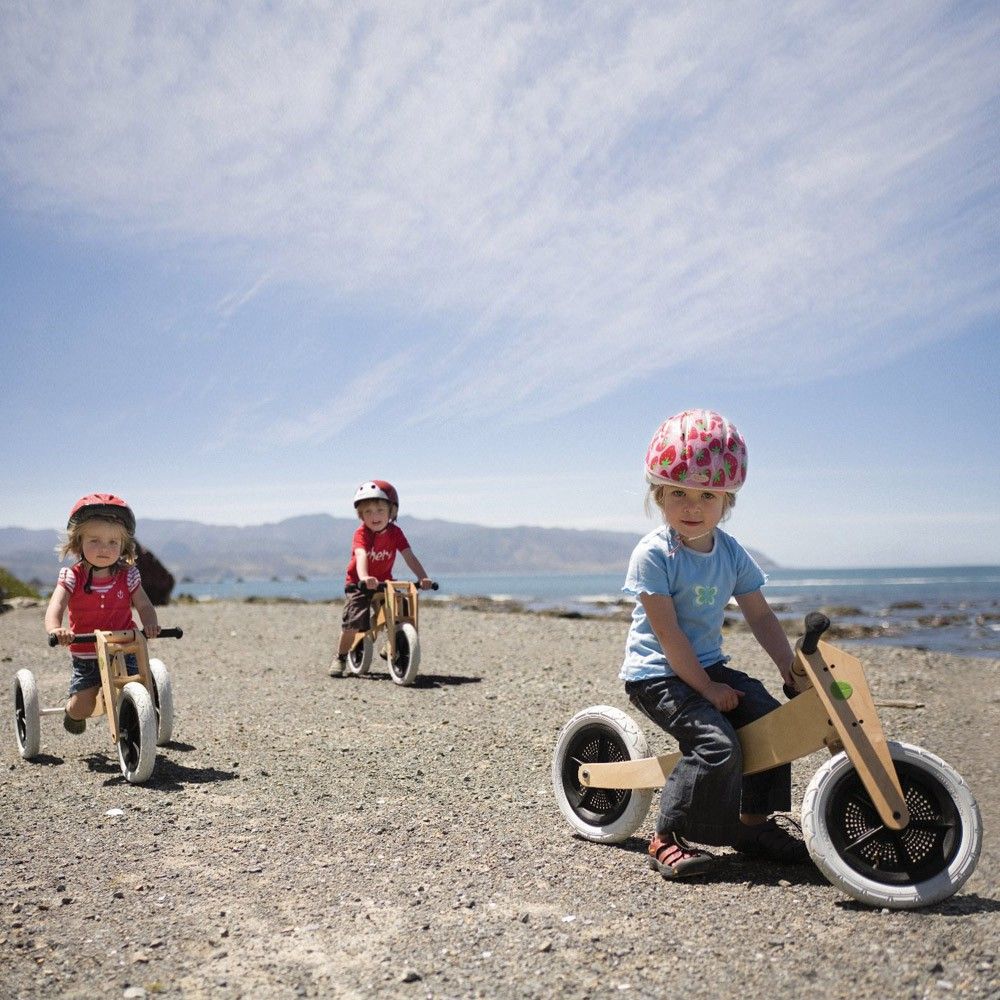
(112, 648)
(396, 605)
(834, 710)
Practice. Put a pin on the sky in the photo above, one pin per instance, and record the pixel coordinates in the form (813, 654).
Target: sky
(252, 254)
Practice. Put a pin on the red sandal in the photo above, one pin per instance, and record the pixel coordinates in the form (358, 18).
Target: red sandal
(673, 858)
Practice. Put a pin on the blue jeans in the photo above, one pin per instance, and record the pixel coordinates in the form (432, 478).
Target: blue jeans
(706, 792)
(86, 673)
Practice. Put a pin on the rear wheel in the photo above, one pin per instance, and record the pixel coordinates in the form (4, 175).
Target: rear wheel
(922, 864)
(27, 716)
(599, 735)
(404, 665)
(359, 659)
(136, 733)
(163, 701)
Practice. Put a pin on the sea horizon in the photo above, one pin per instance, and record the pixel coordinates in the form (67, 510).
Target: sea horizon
(943, 608)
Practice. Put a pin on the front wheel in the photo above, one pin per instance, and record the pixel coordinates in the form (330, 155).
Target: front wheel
(163, 701)
(404, 665)
(922, 864)
(27, 715)
(136, 733)
(599, 735)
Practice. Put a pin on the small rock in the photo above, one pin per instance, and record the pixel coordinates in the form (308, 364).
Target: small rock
(410, 976)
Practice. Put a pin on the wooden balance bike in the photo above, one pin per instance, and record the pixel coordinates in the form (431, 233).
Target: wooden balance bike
(139, 706)
(888, 823)
(395, 610)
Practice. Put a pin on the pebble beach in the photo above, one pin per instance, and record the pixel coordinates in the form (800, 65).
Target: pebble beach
(309, 836)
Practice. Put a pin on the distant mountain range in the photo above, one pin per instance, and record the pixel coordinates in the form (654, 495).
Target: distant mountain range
(318, 545)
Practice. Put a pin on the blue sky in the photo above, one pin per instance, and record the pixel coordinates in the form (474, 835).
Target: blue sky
(252, 254)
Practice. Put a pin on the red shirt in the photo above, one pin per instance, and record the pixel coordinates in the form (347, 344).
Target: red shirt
(108, 606)
(381, 549)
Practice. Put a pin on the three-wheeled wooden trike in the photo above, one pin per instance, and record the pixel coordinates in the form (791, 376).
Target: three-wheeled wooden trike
(139, 706)
(889, 823)
(395, 610)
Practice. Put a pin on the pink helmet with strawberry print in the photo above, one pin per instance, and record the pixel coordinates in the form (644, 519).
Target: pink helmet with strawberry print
(697, 449)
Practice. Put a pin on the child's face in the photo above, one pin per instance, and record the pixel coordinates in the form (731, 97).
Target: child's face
(101, 542)
(693, 514)
(374, 514)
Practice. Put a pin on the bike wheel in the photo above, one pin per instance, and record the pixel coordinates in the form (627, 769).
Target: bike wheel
(922, 864)
(27, 716)
(599, 735)
(136, 733)
(163, 701)
(404, 665)
(359, 659)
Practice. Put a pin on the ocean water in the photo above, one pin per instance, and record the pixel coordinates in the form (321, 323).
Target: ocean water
(948, 609)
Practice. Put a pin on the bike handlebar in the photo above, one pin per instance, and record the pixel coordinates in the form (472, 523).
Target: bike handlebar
(358, 588)
(816, 624)
(164, 633)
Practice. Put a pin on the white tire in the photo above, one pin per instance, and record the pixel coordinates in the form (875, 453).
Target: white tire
(600, 734)
(27, 715)
(404, 665)
(163, 701)
(359, 659)
(922, 864)
(136, 733)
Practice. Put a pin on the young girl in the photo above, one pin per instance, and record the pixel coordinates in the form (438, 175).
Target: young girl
(99, 592)
(682, 576)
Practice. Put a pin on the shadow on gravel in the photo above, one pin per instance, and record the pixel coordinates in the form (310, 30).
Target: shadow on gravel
(734, 869)
(425, 680)
(168, 776)
(47, 760)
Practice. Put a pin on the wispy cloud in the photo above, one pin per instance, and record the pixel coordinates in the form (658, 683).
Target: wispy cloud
(583, 195)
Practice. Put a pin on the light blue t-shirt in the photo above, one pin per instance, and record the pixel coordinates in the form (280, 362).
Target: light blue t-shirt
(699, 583)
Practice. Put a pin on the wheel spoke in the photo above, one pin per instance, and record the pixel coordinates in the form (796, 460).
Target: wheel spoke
(866, 838)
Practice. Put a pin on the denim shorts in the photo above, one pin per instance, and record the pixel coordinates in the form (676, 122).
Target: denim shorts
(86, 673)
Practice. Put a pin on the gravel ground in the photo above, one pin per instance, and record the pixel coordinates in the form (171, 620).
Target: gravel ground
(309, 836)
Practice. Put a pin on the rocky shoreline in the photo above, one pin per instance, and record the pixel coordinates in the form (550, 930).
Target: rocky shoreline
(310, 836)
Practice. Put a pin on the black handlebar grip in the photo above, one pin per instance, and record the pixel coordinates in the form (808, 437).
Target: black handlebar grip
(434, 586)
(816, 624)
(165, 633)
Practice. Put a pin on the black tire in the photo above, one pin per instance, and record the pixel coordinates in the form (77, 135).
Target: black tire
(599, 735)
(922, 864)
(404, 665)
(136, 733)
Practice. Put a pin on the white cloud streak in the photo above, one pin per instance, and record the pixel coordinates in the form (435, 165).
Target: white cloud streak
(582, 194)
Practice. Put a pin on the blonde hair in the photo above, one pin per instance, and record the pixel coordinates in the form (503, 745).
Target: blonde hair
(654, 498)
(72, 544)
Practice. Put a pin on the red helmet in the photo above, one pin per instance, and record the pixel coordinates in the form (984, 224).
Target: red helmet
(105, 505)
(377, 489)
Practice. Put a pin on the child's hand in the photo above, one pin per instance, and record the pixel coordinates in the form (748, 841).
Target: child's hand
(152, 631)
(426, 583)
(64, 635)
(722, 696)
(369, 583)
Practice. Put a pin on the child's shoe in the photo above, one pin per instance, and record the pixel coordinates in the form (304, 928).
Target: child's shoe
(74, 726)
(771, 843)
(339, 666)
(673, 858)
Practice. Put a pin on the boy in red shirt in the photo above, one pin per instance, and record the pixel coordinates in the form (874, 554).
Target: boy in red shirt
(373, 552)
